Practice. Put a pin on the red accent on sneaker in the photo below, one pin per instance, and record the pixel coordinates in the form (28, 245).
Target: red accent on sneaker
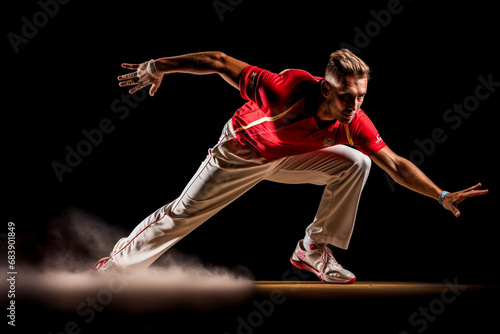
(301, 254)
(100, 263)
(313, 246)
(305, 266)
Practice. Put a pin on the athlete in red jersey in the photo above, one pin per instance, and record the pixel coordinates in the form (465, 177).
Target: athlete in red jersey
(277, 123)
(289, 131)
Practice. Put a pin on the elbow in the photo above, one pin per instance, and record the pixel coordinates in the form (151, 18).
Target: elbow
(218, 56)
(219, 61)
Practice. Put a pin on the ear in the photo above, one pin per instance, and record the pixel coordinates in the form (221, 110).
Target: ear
(325, 89)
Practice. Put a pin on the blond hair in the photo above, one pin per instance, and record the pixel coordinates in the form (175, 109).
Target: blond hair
(344, 62)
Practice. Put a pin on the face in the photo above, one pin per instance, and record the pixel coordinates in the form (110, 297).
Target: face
(343, 99)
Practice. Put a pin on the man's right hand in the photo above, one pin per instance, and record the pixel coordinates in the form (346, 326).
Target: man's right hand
(145, 74)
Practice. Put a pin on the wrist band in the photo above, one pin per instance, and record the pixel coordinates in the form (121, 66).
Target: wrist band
(152, 69)
(441, 197)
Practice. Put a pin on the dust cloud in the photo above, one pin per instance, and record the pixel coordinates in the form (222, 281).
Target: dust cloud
(61, 279)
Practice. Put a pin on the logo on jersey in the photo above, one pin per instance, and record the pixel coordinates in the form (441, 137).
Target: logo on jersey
(328, 142)
(379, 139)
(253, 77)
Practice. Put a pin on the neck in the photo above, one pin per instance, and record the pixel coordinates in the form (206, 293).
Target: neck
(316, 105)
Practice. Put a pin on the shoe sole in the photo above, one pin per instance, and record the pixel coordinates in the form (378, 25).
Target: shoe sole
(304, 266)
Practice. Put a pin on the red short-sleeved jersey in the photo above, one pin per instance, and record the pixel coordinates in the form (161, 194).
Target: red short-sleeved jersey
(274, 124)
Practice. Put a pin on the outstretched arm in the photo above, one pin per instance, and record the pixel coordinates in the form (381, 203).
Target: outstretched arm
(151, 73)
(407, 174)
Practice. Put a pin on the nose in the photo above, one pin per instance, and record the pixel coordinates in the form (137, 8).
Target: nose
(354, 105)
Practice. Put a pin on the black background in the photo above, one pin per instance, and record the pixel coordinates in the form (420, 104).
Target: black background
(426, 59)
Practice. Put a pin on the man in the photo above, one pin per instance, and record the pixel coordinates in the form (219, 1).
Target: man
(293, 129)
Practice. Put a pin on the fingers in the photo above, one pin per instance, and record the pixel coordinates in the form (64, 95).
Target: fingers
(452, 200)
(154, 87)
(140, 78)
(476, 193)
(131, 66)
(451, 205)
(473, 191)
(128, 76)
(473, 187)
(128, 83)
(140, 86)
(132, 79)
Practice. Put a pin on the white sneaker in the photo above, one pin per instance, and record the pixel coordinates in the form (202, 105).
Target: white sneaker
(320, 261)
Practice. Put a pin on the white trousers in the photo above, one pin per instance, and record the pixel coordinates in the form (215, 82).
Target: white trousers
(231, 169)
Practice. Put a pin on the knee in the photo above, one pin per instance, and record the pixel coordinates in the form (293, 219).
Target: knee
(359, 163)
(363, 162)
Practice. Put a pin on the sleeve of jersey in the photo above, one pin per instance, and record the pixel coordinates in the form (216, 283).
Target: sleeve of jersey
(259, 85)
(365, 136)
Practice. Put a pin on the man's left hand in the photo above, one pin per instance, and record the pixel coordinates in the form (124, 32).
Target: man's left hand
(451, 200)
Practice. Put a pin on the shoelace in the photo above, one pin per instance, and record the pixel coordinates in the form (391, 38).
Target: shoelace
(327, 258)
